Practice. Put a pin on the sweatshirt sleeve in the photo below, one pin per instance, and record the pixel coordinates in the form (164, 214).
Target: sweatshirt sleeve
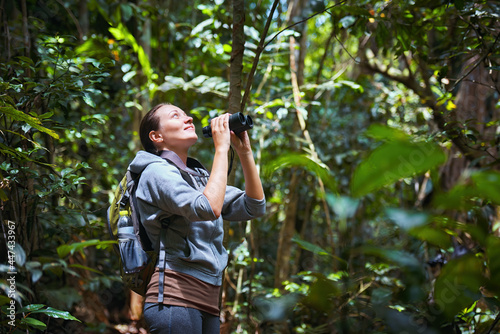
(238, 206)
(162, 185)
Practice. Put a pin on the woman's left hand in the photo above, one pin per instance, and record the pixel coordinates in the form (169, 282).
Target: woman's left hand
(241, 142)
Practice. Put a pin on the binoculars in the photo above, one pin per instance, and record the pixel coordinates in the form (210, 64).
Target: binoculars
(237, 123)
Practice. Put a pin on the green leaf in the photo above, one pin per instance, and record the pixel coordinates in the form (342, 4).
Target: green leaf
(320, 294)
(347, 21)
(33, 268)
(305, 161)
(309, 246)
(343, 206)
(31, 121)
(201, 26)
(479, 186)
(120, 32)
(406, 261)
(458, 285)
(4, 300)
(25, 59)
(129, 75)
(381, 296)
(384, 133)
(432, 235)
(493, 260)
(31, 308)
(393, 161)
(20, 254)
(127, 11)
(65, 250)
(52, 312)
(34, 323)
(487, 184)
(405, 219)
(88, 100)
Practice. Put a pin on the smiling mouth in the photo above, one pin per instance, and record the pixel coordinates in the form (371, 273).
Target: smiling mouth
(189, 128)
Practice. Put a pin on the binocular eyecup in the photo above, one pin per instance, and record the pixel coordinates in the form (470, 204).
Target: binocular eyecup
(237, 123)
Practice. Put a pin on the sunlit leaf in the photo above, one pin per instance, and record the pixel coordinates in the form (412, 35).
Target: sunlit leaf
(31, 121)
(393, 161)
(52, 312)
(199, 28)
(65, 250)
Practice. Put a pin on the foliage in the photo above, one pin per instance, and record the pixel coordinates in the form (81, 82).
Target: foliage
(393, 179)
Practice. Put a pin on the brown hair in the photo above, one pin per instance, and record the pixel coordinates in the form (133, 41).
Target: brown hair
(150, 122)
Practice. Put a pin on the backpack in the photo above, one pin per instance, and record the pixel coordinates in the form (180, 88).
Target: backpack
(137, 256)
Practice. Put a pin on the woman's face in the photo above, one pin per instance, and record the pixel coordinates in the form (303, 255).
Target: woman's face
(176, 130)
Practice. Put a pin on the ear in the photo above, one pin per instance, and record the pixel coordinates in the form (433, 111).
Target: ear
(155, 137)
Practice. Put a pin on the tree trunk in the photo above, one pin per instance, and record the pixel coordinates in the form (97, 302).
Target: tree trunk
(26, 33)
(237, 56)
(288, 228)
(83, 17)
(286, 233)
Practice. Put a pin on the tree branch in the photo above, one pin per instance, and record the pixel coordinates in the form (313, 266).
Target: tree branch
(426, 95)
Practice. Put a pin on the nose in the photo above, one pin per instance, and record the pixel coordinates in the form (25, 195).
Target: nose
(188, 119)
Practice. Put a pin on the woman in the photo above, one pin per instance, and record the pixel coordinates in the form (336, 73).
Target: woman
(191, 204)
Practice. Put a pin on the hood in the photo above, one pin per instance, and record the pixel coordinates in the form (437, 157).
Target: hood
(142, 160)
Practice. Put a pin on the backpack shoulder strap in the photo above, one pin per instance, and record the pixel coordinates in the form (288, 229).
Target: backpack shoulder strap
(161, 262)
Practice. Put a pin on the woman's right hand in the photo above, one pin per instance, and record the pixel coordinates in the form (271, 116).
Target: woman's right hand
(220, 132)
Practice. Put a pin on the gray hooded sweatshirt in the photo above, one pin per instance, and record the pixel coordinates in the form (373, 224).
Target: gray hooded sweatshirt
(194, 235)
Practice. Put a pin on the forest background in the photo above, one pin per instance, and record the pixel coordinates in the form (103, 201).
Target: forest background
(376, 135)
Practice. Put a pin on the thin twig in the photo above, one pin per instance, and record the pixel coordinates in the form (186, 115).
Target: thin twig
(486, 54)
(495, 322)
(75, 20)
(304, 20)
(260, 48)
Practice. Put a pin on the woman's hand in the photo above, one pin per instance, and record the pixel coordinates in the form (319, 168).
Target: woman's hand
(221, 133)
(241, 143)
